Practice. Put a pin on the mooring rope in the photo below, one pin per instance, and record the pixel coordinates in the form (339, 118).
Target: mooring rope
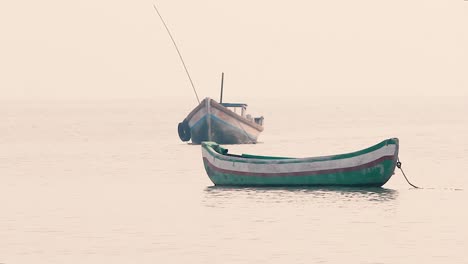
(178, 52)
(398, 164)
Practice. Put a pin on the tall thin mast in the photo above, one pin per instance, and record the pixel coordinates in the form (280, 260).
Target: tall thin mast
(180, 56)
(222, 82)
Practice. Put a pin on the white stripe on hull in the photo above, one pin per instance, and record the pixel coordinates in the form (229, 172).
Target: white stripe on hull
(270, 166)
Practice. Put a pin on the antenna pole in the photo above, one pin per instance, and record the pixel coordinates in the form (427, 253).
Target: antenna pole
(180, 56)
(222, 82)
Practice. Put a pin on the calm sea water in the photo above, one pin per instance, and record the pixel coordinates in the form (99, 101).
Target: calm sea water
(110, 182)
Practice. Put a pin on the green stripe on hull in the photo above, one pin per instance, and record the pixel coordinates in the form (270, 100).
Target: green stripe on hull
(376, 175)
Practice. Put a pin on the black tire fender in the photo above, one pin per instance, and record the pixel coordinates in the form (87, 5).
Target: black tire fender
(184, 131)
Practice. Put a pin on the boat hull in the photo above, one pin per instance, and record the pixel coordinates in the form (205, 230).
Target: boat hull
(221, 131)
(211, 121)
(371, 167)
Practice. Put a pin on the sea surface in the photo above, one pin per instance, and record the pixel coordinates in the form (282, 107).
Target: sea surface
(109, 181)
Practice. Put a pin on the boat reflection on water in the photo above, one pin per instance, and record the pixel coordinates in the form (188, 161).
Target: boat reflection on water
(218, 195)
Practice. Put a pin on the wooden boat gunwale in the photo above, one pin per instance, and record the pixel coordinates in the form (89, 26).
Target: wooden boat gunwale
(248, 158)
(244, 120)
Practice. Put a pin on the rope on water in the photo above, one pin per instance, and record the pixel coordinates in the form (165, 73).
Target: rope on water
(398, 164)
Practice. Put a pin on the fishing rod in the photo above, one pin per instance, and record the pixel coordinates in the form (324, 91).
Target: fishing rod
(178, 52)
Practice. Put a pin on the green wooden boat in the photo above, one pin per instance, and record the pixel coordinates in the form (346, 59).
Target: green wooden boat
(372, 166)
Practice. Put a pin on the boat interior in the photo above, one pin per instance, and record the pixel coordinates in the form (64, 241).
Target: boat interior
(224, 151)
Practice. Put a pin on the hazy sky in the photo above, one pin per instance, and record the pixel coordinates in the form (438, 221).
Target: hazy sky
(54, 49)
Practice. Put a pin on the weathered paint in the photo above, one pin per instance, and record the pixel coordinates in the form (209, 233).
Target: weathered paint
(221, 131)
(211, 121)
(369, 167)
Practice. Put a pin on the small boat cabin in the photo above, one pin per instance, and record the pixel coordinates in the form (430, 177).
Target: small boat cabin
(243, 112)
